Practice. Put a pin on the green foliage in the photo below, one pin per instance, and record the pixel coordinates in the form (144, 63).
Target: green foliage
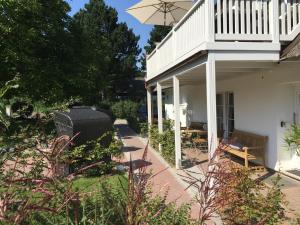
(106, 204)
(95, 206)
(128, 110)
(25, 132)
(95, 151)
(35, 45)
(166, 139)
(154, 136)
(109, 52)
(171, 214)
(125, 110)
(89, 55)
(253, 202)
(143, 129)
(293, 137)
(157, 34)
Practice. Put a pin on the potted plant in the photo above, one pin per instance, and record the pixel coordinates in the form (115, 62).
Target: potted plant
(293, 138)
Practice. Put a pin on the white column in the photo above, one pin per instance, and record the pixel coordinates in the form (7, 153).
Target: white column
(149, 107)
(177, 122)
(211, 104)
(159, 110)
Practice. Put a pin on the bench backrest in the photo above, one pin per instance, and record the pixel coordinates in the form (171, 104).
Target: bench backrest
(197, 125)
(250, 139)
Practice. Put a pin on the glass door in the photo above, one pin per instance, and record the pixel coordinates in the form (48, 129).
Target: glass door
(229, 114)
(220, 114)
(225, 114)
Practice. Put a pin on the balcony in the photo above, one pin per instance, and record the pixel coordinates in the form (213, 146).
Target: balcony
(222, 25)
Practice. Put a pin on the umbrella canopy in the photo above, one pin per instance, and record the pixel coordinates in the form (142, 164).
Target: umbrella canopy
(160, 12)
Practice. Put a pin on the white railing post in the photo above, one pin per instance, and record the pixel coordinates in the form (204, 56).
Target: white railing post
(209, 21)
(211, 104)
(274, 25)
(176, 90)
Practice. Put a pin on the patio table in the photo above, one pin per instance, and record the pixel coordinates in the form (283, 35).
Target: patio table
(194, 131)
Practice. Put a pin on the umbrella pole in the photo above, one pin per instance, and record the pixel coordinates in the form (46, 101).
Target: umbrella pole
(165, 13)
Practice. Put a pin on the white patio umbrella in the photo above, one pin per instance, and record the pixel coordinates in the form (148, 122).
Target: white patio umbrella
(160, 12)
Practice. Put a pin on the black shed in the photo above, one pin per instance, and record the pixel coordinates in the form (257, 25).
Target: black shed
(88, 122)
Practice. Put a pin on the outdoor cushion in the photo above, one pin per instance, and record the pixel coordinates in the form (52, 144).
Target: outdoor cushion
(237, 146)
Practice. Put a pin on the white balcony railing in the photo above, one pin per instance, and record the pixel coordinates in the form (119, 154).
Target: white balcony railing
(225, 20)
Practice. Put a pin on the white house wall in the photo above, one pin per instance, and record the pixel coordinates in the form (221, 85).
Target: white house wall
(193, 98)
(262, 101)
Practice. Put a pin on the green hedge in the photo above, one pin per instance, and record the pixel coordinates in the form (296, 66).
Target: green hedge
(166, 139)
(125, 110)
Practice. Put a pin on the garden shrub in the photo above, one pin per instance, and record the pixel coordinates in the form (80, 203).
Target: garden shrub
(171, 214)
(154, 136)
(125, 110)
(293, 138)
(108, 205)
(93, 152)
(143, 129)
(252, 201)
(166, 139)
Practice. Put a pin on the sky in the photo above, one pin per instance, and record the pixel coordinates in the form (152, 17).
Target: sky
(121, 5)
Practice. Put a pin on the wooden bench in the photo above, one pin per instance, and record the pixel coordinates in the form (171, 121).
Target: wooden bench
(248, 146)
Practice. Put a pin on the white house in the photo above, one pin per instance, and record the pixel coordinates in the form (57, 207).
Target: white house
(234, 64)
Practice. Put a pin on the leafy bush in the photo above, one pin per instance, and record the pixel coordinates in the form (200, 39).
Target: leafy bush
(143, 129)
(252, 202)
(93, 152)
(293, 137)
(154, 136)
(229, 190)
(166, 140)
(125, 110)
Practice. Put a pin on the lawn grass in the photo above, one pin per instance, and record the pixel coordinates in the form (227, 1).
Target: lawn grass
(89, 184)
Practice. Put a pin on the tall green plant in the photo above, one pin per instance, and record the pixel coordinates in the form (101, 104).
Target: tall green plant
(166, 139)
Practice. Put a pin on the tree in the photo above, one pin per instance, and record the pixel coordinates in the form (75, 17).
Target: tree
(57, 57)
(34, 45)
(110, 50)
(157, 34)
